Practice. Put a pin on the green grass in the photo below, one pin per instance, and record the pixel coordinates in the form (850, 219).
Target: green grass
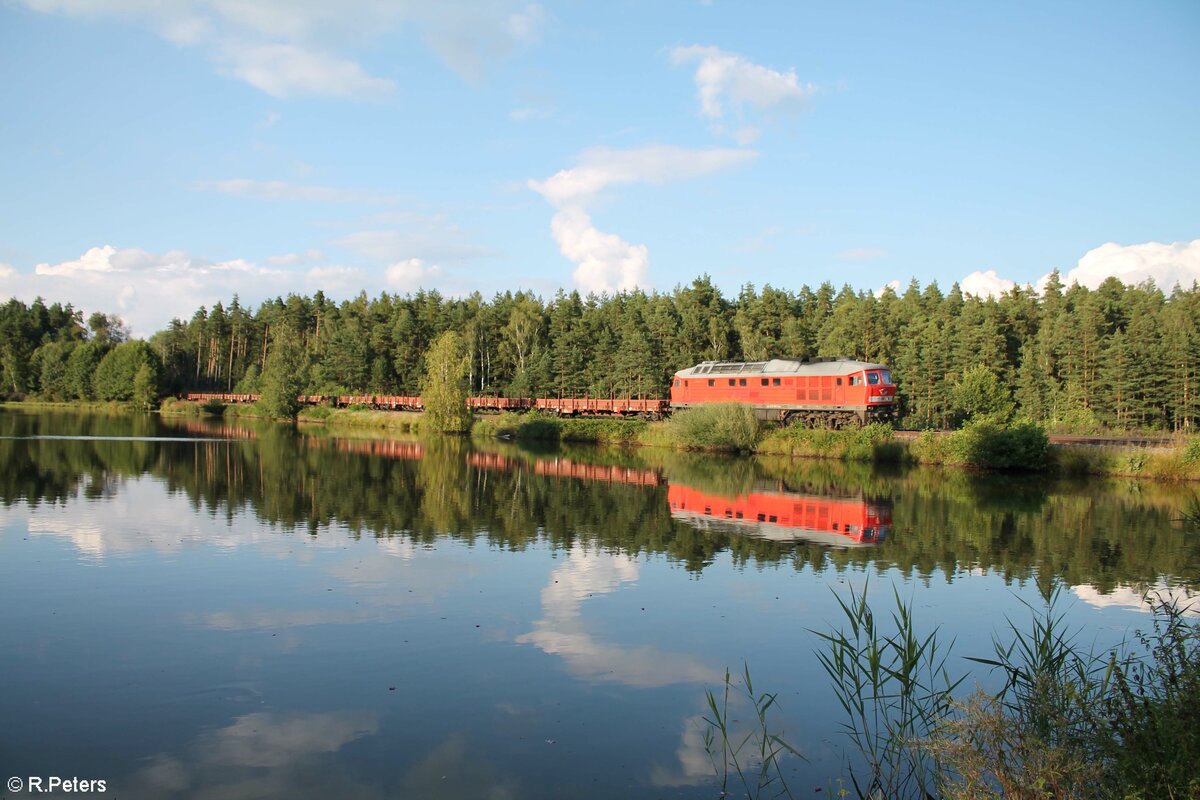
(1178, 463)
(538, 426)
(361, 418)
(874, 442)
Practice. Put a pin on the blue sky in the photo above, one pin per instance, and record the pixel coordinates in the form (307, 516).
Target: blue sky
(161, 155)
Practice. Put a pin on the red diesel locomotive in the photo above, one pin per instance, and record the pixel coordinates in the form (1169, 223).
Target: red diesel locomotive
(835, 392)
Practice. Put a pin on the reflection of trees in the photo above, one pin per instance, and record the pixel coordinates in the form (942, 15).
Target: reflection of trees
(1098, 533)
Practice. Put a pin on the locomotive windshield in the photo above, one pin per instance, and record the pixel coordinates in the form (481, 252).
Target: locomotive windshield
(887, 376)
(873, 378)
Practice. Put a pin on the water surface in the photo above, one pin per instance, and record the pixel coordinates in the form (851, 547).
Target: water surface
(191, 609)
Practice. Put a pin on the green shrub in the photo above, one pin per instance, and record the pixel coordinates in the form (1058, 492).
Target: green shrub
(316, 413)
(1077, 422)
(213, 407)
(716, 426)
(1069, 460)
(539, 426)
(613, 431)
(1191, 451)
(986, 443)
(931, 448)
(187, 408)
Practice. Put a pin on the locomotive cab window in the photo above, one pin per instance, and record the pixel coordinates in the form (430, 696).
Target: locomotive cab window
(677, 381)
(856, 380)
(887, 376)
(839, 381)
(873, 378)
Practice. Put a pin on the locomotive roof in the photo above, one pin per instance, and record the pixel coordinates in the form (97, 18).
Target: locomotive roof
(779, 366)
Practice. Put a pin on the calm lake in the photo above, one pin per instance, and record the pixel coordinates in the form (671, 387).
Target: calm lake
(195, 609)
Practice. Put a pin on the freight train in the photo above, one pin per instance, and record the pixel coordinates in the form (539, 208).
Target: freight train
(828, 392)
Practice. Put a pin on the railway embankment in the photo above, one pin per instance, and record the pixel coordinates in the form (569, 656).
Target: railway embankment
(981, 445)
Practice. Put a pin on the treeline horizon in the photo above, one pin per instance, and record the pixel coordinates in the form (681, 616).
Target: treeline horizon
(1119, 356)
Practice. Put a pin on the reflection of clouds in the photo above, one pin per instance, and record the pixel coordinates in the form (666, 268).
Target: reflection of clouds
(265, 754)
(451, 771)
(561, 630)
(695, 766)
(142, 516)
(293, 755)
(265, 619)
(1140, 597)
(396, 547)
(276, 740)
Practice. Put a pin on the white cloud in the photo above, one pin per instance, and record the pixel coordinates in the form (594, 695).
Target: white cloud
(468, 35)
(145, 288)
(412, 274)
(7, 271)
(723, 77)
(606, 262)
(294, 47)
(602, 167)
(986, 284)
(528, 113)
(862, 254)
(282, 190)
(289, 259)
(334, 278)
(431, 240)
(747, 135)
(1164, 264)
(893, 285)
(286, 70)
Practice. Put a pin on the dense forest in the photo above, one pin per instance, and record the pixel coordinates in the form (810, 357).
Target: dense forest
(1121, 356)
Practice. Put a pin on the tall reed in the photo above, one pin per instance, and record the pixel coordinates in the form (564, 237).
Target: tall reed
(896, 690)
(754, 758)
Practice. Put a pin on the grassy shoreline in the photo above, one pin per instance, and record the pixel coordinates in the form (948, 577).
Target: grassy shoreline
(977, 447)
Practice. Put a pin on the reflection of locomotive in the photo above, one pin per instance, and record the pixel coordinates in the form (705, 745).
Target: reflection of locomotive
(835, 391)
(785, 517)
